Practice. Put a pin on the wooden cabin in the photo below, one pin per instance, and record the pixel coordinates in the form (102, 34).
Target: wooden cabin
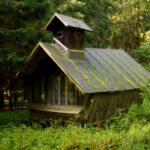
(63, 79)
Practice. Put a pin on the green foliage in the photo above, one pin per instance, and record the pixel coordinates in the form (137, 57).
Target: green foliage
(74, 137)
(20, 116)
(142, 54)
(115, 24)
(95, 13)
(129, 23)
(137, 114)
(146, 105)
(21, 27)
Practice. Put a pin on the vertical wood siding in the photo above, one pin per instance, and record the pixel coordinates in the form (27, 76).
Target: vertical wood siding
(49, 85)
(101, 106)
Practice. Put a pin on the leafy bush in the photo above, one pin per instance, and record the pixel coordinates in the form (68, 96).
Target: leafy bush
(136, 112)
(141, 112)
(74, 137)
(20, 116)
(142, 54)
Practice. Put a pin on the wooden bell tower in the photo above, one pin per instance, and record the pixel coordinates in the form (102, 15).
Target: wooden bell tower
(69, 31)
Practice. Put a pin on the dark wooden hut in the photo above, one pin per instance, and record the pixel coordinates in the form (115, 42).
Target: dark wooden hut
(63, 79)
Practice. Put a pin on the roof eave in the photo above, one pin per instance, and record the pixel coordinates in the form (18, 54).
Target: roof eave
(79, 87)
(64, 23)
(89, 30)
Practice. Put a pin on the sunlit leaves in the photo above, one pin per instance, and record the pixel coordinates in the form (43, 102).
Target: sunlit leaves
(128, 24)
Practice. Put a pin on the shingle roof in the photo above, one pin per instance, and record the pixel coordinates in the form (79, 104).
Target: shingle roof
(70, 22)
(102, 70)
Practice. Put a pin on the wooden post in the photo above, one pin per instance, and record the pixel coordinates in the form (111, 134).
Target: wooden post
(15, 97)
(10, 100)
(1, 98)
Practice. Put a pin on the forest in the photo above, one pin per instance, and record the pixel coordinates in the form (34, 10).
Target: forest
(116, 24)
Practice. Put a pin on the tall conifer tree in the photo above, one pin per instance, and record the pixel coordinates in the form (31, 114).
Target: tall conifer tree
(21, 27)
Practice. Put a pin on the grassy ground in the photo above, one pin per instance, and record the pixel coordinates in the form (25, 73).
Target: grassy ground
(16, 116)
(72, 137)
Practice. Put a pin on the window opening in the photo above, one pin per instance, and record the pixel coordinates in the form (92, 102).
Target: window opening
(60, 34)
(78, 35)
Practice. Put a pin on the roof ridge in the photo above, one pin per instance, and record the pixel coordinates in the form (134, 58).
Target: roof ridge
(70, 21)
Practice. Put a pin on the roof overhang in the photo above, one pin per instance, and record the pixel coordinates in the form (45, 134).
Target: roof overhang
(101, 70)
(37, 55)
(69, 22)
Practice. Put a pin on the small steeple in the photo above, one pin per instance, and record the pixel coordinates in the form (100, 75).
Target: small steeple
(68, 31)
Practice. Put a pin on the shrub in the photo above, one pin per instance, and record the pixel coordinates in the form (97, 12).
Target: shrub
(142, 54)
(18, 116)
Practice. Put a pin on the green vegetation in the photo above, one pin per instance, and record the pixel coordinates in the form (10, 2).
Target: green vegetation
(130, 23)
(84, 76)
(132, 70)
(19, 116)
(115, 24)
(74, 137)
(21, 27)
(142, 54)
(124, 130)
(109, 72)
(95, 77)
(121, 75)
(126, 70)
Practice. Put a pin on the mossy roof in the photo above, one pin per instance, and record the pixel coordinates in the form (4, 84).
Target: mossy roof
(68, 21)
(102, 70)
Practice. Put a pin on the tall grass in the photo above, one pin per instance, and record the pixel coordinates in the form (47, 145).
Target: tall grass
(137, 137)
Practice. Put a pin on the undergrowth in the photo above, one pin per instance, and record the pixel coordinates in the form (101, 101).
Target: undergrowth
(123, 131)
(18, 116)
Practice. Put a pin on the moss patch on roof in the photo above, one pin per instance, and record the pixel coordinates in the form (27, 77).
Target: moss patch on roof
(100, 71)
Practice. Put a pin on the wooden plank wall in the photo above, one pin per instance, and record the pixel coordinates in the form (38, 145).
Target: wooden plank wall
(49, 85)
(104, 105)
(76, 42)
(73, 39)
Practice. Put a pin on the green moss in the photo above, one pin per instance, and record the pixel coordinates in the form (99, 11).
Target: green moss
(76, 80)
(137, 74)
(118, 81)
(94, 76)
(82, 74)
(131, 70)
(109, 72)
(134, 79)
(107, 80)
(125, 78)
(85, 77)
